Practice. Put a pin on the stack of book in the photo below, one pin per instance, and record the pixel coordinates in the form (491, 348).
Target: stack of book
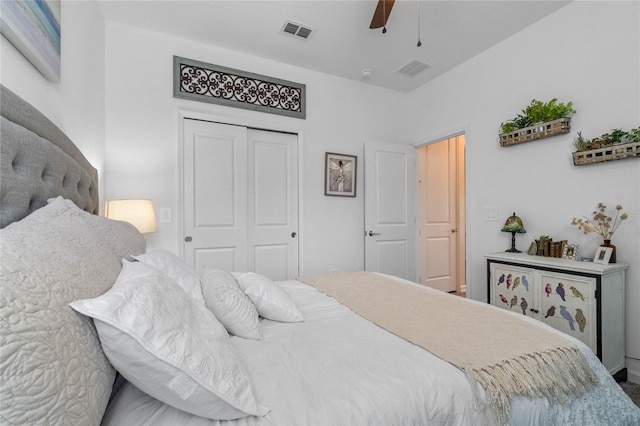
(545, 246)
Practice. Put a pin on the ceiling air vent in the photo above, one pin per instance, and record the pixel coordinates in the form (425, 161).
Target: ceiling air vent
(297, 30)
(413, 68)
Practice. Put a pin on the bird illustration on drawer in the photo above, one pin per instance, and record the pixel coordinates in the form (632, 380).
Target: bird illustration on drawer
(576, 292)
(566, 315)
(581, 319)
(560, 291)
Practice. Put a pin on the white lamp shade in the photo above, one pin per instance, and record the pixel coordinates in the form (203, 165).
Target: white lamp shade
(139, 213)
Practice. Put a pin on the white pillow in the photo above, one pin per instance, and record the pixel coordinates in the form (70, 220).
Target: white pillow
(175, 268)
(170, 347)
(271, 301)
(52, 368)
(121, 237)
(229, 304)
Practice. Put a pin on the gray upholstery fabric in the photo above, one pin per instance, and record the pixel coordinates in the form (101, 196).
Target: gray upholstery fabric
(52, 368)
(37, 162)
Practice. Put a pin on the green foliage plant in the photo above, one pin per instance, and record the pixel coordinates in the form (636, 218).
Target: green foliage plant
(615, 137)
(538, 112)
(580, 143)
(632, 135)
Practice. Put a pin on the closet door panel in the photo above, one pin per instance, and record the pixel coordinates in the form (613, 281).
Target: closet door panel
(215, 195)
(273, 204)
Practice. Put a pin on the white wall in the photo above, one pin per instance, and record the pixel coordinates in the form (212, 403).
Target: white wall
(142, 141)
(588, 53)
(76, 104)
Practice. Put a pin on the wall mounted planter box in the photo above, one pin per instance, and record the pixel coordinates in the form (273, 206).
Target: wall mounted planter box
(608, 153)
(537, 131)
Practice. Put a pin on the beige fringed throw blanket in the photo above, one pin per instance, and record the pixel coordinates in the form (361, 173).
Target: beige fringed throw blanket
(507, 355)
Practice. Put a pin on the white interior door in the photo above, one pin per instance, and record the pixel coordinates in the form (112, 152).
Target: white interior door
(437, 213)
(273, 204)
(441, 239)
(240, 200)
(390, 192)
(215, 195)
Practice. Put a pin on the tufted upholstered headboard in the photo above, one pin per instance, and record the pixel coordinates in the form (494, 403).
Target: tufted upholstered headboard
(37, 162)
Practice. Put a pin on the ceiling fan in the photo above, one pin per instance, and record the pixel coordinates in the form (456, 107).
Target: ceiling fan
(380, 16)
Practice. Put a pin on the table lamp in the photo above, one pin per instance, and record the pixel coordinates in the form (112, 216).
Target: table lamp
(139, 213)
(513, 225)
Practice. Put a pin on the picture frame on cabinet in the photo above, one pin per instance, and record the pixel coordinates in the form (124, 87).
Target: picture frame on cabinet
(603, 254)
(570, 251)
(340, 174)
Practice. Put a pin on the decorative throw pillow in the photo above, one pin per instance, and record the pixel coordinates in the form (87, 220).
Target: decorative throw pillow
(271, 301)
(170, 347)
(176, 269)
(122, 238)
(52, 368)
(229, 304)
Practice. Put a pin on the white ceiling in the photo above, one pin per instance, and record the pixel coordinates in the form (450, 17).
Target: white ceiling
(342, 44)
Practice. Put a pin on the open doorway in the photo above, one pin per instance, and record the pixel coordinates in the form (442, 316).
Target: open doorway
(442, 201)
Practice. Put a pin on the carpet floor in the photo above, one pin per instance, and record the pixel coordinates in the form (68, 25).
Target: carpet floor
(633, 390)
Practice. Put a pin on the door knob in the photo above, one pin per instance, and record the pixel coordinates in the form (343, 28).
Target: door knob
(371, 233)
(453, 230)
(187, 239)
(293, 235)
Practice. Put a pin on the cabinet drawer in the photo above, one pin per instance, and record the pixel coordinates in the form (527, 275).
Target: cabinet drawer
(511, 288)
(568, 304)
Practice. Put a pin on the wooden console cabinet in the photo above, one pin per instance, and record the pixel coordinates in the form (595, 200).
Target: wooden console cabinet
(583, 299)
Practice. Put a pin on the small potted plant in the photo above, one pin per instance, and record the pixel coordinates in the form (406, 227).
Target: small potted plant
(615, 145)
(538, 120)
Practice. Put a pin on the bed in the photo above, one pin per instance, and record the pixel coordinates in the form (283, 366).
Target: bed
(97, 329)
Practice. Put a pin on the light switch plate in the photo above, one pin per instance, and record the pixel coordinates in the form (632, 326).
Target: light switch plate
(165, 215)
(490, 214)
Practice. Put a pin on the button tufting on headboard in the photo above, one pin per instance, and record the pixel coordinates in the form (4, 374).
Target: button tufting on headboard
(37, 162)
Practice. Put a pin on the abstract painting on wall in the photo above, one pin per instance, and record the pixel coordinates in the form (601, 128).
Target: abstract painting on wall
(33, 27)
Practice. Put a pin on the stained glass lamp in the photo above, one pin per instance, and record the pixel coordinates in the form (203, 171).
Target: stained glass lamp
(513, 225)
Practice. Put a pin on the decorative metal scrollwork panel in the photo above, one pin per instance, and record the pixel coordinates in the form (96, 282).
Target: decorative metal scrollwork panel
(204, 82)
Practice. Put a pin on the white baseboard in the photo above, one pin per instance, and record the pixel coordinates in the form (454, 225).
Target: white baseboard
(633, 370)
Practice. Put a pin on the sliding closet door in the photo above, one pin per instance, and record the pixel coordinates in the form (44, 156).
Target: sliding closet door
(273, 204)
(240, 199)
(215, 195)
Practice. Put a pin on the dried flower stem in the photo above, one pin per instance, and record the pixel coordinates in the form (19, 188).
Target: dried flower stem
(603, 224)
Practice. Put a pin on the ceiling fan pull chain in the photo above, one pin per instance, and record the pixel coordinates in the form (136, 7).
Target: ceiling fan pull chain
(384, 17)
(419, 42)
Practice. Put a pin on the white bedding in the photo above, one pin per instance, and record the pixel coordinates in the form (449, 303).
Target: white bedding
(337, 368)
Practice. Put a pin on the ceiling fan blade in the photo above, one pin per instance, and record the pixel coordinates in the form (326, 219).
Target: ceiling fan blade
(380, 16)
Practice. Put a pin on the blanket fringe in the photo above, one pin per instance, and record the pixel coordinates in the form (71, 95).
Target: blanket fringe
(555, 374)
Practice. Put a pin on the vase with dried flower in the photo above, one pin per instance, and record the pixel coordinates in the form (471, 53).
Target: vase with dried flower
(604, 223)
